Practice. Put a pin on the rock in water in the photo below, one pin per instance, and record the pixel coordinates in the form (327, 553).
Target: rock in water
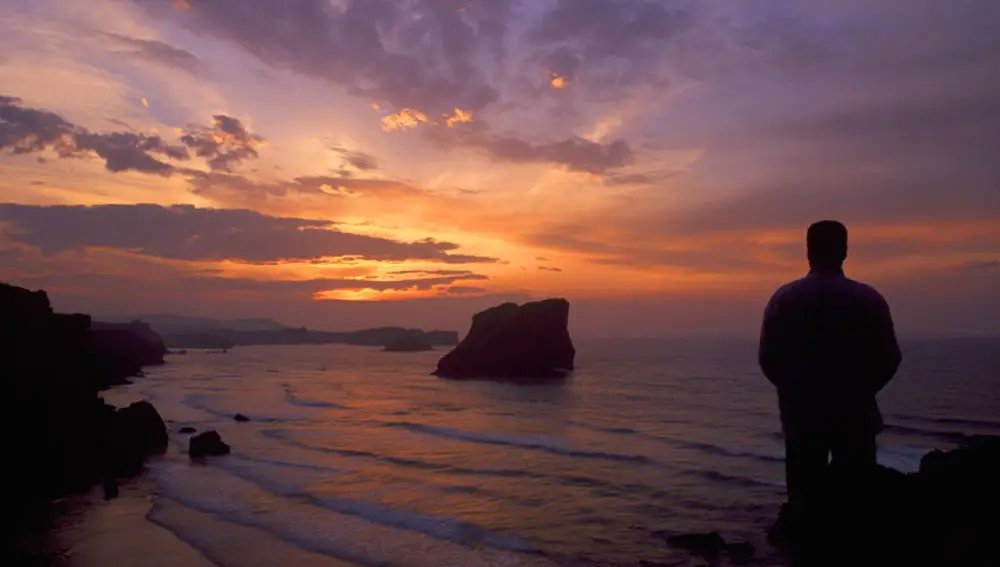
(187, 430)
(207, 444)
(241, 418)
(526, 342)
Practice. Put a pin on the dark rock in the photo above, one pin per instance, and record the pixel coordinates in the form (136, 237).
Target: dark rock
(530, 341)
(138, 432)
(741, 552)
(411, 341)
(207, 444)
(241, 418)
(937, 516)
(703, 544)
(188, 430)
(110, 488)
(67, 439)
(123, 349)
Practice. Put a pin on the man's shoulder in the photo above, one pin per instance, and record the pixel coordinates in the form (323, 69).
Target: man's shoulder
(864, 290)
(791, 287)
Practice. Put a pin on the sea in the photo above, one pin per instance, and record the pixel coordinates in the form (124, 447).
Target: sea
(358, 457)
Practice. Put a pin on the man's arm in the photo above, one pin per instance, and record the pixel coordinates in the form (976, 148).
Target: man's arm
(767, 355)
(887, 355)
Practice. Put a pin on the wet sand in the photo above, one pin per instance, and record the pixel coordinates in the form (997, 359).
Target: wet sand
(92, 532)
(98, 533)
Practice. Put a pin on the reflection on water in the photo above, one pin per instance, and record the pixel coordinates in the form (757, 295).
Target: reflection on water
(366, 459)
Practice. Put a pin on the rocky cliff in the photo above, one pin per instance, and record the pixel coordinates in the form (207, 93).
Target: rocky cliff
(61, 436)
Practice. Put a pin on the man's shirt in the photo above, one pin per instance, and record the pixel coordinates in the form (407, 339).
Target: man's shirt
(827, 342)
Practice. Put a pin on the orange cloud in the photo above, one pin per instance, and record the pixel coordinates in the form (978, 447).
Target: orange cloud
(557, 81)
(460, 117)
(405, 119)
(368, 294)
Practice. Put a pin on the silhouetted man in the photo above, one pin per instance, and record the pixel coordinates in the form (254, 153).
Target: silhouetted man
(828, 345)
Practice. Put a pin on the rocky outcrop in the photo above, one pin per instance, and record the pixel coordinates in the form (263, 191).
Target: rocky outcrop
(414, 341)
(207, 444)
(942, 515)
(137, 431)
(126, 348)
(712, 545)
(525, 342)
(63, 437)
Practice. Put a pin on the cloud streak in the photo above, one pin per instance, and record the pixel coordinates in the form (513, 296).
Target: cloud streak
(193, 234)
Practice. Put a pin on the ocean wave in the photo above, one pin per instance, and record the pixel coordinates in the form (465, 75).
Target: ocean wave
(208, 404)
(318, 527)
(436, 526)
(561, 479)
(901, 457)
(522, 442)
(961, 422)
(728, 479)
(282, 436)
(303, 403)
(775, 455)
(925, 432)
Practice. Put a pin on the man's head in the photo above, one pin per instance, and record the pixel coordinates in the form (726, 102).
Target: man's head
(826, 242)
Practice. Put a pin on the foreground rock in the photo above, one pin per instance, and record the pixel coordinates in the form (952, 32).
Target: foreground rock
(207, 444)
(945, 514)
(64, 438)
(508, 341)
(137, 432)
(712, 545)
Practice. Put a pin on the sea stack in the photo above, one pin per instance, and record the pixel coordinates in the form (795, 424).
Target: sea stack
(525, 342)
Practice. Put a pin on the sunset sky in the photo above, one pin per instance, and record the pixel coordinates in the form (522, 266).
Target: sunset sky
(343, 164)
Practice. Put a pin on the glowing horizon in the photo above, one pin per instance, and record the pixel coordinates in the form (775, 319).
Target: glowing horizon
(505, 150)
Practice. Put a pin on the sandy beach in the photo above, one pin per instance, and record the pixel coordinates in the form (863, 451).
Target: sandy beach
(92, 532)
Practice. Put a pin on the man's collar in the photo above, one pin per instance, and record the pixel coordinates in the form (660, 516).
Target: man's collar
(826, 272)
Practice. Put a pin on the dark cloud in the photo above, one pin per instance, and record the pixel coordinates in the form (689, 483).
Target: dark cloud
(224, 144)
(549, 269)
(357, 160)
(218, 184)
(574, 153)
(188, 233)
(156, 51)
(639, 178)
(27, 130)
(413, 54)
(593, 31)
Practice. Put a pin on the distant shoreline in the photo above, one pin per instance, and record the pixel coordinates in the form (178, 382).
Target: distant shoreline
(228, 338)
